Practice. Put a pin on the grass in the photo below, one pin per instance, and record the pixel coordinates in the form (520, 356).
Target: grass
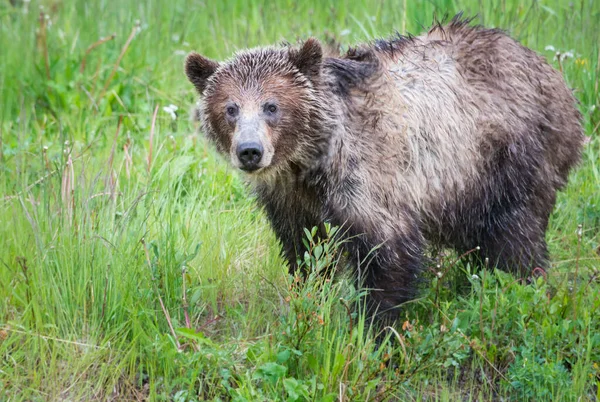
(134, 264)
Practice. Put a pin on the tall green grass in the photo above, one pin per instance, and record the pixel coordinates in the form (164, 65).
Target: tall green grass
(134, 264)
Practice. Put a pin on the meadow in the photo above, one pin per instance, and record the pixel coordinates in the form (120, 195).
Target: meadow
(135, 265)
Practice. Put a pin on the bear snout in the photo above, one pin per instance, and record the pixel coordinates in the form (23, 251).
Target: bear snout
(249, 154)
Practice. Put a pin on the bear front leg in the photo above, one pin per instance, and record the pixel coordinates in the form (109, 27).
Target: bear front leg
(289, 224)
(387, 253)
(291, 243)
(390, 270)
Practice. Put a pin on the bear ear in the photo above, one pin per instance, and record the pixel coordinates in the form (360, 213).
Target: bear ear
(199, 69)
(308, 58)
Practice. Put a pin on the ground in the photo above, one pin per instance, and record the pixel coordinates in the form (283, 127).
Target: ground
(135, 265)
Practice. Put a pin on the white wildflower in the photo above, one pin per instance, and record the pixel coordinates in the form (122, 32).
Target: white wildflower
(561, 56)
(550, 48)
(171, 109)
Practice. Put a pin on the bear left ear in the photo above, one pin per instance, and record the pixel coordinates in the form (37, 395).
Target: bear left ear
(199, 69)
(308, 58)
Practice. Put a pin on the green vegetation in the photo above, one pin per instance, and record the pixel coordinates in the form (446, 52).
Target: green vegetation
(134, 264)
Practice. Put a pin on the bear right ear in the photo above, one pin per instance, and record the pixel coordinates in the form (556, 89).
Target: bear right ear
(199, 69)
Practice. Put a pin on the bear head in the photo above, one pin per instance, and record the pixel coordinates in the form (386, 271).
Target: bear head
(260, 108)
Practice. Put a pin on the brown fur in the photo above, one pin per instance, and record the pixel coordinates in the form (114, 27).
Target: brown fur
(457, 138)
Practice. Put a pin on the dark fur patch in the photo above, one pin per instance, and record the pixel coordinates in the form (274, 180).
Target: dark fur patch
(353, 71)
(394, 45)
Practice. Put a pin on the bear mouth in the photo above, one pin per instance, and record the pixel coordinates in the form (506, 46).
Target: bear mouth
(252, 170)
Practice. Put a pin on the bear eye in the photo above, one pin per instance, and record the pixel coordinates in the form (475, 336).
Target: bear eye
(271, 108)
(231, 110)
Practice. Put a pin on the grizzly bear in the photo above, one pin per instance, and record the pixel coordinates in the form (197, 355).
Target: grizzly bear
(459, 138)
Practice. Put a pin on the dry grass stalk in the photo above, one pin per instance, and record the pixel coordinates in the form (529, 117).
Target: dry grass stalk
(43, 43)
(92, 47)
(111, 181)
(128, 152)
(152, 138)
(134, 31)
(67, 188)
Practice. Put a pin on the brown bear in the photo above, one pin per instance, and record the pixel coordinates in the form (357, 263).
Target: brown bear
(459, 138)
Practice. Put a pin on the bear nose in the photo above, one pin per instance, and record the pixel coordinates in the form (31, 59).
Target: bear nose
(249, 154)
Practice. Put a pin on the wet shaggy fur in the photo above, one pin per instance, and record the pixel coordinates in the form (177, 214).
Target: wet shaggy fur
(458, 138)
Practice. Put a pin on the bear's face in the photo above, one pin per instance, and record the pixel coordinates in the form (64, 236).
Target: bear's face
(257, 108)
